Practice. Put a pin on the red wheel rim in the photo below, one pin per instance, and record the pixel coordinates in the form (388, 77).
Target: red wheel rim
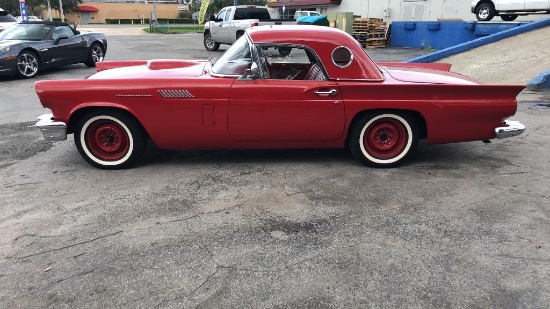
(107, 140)
(385, 138)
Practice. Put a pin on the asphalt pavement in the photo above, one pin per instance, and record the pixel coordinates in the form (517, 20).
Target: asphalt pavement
(459, 226)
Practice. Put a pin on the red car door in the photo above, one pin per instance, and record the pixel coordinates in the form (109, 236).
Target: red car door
(285, 110)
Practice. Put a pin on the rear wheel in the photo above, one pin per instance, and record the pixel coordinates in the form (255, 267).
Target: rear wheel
(510, 17)
(95, 55)
(110, 139)
(485, 12)
(383, 139)
(209, 43)
(27, 64)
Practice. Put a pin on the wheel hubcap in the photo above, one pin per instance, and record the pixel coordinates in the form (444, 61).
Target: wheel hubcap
(484, 13)
(107, 140)
(385, 138)
(209, 42)
(27, 64)
(97, 54)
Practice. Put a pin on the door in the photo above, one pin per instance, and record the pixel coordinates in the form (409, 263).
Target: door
(285, 110)
(510, 5)
(68, 47)
(219, 28)
(86, 18)
(537, 4)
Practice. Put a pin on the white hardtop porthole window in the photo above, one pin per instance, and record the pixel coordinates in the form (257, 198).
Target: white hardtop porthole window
(342, 57)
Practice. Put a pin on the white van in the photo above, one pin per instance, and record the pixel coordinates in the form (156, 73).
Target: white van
(6, 20)
(508, 10)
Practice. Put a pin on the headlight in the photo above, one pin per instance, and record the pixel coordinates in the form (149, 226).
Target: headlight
(4, 49)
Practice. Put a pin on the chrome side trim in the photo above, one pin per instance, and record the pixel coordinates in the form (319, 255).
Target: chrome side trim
(512, 128)
(52, 130)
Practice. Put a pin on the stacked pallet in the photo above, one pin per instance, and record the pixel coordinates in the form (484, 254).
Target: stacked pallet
(370, 32)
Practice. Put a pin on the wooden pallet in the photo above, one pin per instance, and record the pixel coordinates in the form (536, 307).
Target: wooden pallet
(370, 32)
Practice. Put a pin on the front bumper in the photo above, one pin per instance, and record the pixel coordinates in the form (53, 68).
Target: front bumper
(512, 128)
(52, 130)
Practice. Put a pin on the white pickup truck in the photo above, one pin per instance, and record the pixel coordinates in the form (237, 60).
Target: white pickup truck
(508, 10)
(232, 21)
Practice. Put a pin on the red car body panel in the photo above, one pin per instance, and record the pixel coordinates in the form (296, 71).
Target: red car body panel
(181, 105)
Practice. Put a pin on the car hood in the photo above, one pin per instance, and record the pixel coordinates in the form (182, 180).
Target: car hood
(149, 69)
(427, 76)
(6, 43)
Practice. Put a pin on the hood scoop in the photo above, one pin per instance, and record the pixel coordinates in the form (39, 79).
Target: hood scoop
(169, 64)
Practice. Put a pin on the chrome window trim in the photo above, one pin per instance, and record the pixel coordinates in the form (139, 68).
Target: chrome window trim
(350, 60)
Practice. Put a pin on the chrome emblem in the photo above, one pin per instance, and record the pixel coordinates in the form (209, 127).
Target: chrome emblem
(133, 95)
(176, 94)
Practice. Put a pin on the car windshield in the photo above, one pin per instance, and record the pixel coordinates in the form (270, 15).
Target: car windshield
(30, 32)
(235, 60)
(7, 18)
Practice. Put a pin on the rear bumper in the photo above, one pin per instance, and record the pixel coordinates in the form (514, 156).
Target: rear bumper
(512, 128)
(52, 130)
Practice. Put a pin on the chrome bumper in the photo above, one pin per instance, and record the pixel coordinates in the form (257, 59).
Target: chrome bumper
(52, 130)
(512, 128)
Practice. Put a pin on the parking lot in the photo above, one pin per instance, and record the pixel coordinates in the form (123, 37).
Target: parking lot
(459, 226)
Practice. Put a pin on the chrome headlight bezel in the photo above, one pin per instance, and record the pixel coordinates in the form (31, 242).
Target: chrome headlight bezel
(4, 49)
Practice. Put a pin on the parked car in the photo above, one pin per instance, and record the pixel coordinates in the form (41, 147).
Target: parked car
(29, 47)
(299, 14)
(327, 93)
(508, 10)
(232, 21)
(29, 18)
(6, 20)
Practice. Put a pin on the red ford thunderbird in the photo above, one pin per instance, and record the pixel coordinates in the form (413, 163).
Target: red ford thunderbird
(276, 87)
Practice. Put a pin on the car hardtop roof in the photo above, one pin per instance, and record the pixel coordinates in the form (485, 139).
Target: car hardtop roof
(46, 22)
(294, 34)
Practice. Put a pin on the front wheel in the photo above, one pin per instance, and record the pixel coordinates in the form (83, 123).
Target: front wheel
(510, 17)
(27, 64)
(485, 12)
(209, 43)
(383, 139)
(110, 139)
(95, 55)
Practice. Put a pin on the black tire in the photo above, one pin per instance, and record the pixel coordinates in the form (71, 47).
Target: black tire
(284, 51)
(510, 17)
(96, 54)
(485, 12)
(383, 139)
(28, 64)
(209, 43)
(110, 139)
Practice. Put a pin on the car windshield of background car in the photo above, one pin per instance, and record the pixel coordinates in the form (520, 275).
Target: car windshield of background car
(30, 32)
(235, 60)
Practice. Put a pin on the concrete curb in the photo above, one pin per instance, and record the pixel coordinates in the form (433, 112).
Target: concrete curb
(540, 82)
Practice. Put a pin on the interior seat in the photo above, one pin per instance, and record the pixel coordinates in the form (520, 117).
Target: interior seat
(315, 73)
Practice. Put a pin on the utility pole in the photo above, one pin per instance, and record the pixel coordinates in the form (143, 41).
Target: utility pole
(154, 17)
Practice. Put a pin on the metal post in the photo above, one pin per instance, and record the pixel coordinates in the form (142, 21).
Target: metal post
(61, 11)
(154, 17)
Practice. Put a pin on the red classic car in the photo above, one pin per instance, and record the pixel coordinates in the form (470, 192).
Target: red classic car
(276, 87)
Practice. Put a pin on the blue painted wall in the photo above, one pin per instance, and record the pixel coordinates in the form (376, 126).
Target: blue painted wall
(440, 35)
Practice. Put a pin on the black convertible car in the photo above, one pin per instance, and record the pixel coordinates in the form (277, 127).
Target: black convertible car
(28, 47)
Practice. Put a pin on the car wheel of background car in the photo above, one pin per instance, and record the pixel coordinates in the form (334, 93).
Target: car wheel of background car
(383, 139)
(110, 139)
(95, 54)
(485, 12)
(209, 43)
(27, 64)
(510, 17)
(284, 51)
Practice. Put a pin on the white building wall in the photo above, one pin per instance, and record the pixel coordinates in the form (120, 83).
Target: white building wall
(419, 10)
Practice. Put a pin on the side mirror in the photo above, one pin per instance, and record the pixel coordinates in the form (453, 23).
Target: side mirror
(250, 74)
(212, 18)
(63, 37)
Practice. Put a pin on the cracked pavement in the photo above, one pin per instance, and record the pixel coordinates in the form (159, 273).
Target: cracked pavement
(461, 225)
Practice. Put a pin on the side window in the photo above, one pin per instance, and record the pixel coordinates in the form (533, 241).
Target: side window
(62, 31)
(290, 63)
(221, 15)
(227, 15)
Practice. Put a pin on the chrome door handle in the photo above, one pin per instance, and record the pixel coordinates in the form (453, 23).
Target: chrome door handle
(332, 92)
